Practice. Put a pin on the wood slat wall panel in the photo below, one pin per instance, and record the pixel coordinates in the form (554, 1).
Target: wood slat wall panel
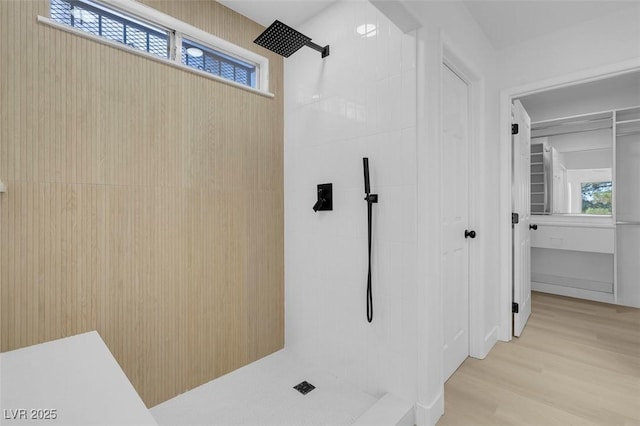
(144, 202)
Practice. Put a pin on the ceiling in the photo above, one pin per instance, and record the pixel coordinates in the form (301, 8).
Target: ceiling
(505, 23)
(291, 12)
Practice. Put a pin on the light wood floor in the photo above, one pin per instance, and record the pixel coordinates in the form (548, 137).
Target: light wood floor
(577, 363)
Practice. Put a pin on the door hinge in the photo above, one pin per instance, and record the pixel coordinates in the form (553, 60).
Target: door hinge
(515, 308)
(515, 218)
(514, 129)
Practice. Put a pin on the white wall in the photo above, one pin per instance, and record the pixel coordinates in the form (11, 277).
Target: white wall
(595, 159)
(601, 42)
(359, 102)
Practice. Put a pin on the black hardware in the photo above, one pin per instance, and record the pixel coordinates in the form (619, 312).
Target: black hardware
(515, 308)
(304, 387)
(370, 199)
(469, 234)
(515, 218)
(318, 205)
(534, 227)
(324, 50)
(325, 197)
(514, 129)
(365, 165)
(285, 41)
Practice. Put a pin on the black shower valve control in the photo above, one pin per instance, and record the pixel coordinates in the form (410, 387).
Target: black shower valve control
(325, 197)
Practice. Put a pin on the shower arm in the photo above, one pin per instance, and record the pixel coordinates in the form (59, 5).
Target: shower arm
(323, 50)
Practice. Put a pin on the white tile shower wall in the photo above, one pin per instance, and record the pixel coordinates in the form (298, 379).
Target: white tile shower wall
(359, 102)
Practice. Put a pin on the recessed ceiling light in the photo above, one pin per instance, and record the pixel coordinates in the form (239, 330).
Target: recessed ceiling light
(194, 51)
(367, 30)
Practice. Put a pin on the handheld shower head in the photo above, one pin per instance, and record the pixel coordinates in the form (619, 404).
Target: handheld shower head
(365, 163)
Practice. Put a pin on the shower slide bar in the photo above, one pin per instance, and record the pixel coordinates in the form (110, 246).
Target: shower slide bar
(370, 199)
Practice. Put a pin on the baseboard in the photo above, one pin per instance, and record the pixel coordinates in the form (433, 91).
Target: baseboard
(577, 283)
(489, 341)
(428, 415)
(579, 293)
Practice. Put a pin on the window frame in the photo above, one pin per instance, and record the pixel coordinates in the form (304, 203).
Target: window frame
(126, 20)
(217, 55)
(176, 30)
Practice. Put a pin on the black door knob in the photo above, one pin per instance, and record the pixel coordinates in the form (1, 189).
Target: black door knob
(534, 227)
(469, 234)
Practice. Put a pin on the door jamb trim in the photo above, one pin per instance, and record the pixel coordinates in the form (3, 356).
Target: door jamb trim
(456, 61)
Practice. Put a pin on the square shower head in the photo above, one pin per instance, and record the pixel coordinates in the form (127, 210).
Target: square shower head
(282, 39)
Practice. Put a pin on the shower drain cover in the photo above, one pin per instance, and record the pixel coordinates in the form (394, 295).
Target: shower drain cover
(304, 387)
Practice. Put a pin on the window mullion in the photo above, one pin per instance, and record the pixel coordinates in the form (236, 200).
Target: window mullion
(177, 47)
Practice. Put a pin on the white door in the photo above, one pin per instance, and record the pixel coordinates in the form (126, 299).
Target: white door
(455, 218)
(521, 204)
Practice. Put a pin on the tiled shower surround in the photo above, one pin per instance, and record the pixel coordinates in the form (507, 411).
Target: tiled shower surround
(358, 102)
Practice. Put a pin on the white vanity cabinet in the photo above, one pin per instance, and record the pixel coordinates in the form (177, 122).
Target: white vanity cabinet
(573, 259)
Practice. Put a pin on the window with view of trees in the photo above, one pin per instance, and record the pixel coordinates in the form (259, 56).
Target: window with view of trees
(596, 197)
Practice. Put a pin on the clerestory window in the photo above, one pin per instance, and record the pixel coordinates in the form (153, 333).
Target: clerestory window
(154, 35)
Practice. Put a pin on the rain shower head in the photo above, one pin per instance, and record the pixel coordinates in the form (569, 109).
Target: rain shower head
(285, 41)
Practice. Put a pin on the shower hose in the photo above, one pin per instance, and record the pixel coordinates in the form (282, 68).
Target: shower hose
(369, 294)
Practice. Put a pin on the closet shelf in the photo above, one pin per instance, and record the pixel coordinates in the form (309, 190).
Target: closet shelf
(635, 120)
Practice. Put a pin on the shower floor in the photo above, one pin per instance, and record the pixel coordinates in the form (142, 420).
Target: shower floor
(262, 393)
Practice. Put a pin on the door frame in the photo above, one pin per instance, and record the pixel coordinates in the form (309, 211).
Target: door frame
(468, 73)
(505, 330)
(431, 43)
